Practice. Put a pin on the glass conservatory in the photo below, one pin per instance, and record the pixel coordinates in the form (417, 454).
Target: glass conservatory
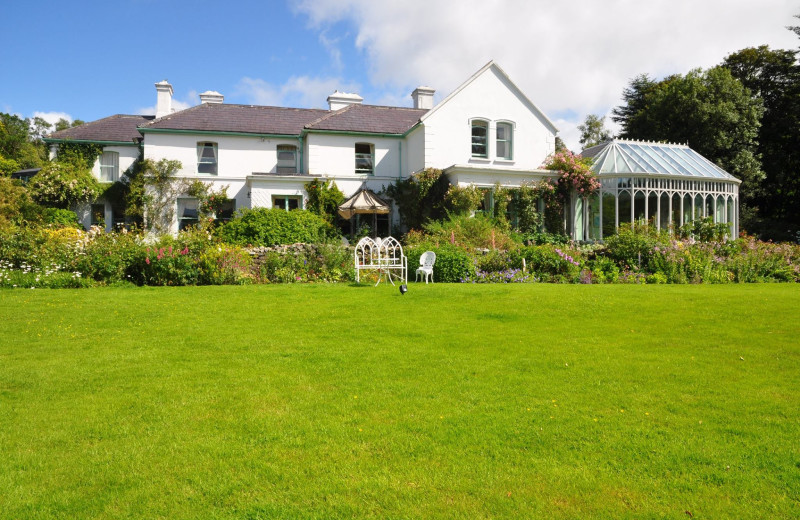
(666, 184)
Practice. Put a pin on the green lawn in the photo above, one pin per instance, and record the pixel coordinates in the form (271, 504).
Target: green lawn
(453, 401)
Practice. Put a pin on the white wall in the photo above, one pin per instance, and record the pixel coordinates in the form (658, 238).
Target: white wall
(332, 155)
(237, 156)
(492, 97)
(127, 156)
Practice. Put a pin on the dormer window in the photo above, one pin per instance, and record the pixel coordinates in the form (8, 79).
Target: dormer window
(504, 149)
(287, 159)
(365, 158)
(480, 131)
(207, 158)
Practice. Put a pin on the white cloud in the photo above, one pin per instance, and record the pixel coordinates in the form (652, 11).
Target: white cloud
(298, 91)
(53, 117)
(573, 55)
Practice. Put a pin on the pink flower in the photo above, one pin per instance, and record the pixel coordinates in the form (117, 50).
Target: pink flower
(147, 260)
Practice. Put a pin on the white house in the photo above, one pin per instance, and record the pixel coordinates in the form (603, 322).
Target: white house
(484, 132)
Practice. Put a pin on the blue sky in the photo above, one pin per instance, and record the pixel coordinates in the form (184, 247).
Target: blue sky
(88, 60)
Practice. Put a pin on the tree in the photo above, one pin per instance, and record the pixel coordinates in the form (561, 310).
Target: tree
(773, 77)
(709, 110)
(16, 142)
(593, 131)
(560, 146)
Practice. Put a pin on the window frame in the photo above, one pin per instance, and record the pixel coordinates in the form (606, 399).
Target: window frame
(114, 167)
(474, 123)
(184, 222)
(201, 147)
(286, 199)
(286, 168)
(509, 140)
(363, 155)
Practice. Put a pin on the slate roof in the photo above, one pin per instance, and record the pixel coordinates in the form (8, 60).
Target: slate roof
(250, 119)
(369, 118)
(119, 127)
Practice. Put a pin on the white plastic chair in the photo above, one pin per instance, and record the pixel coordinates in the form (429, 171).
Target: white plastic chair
(426, 262)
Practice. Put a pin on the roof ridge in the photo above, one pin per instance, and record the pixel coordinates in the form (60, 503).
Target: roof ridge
(329, 115)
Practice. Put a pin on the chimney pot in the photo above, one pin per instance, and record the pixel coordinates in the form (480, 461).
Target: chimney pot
(423, 97)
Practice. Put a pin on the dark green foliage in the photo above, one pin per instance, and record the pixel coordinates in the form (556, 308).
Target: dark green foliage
(17, 143)
(270, 227)
(324, 198)
(462, 200)
(82, 154)
(773, 77)
(710, 110)
(420, 197)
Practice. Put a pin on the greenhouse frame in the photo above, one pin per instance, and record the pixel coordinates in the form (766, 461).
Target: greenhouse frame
(664, 183)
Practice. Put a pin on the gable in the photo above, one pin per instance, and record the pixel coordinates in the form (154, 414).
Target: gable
(490, 91)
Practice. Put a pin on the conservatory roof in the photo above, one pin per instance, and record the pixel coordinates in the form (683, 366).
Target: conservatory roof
(619, 156)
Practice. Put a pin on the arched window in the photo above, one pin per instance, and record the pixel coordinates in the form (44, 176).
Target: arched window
(365, 158)
(480, 133)
(207, 158)
(505, 141)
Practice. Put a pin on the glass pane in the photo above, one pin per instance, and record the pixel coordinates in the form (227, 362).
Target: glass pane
(710, 206)
(652, 209)
(687, 209)
(698, 207)
(609, 214)
(638, 207)
(664, 212)
(363, 148)
(501, 149)
(624, 207)
(501, 132)
(594, 217)
(286, 156)
(579, 219)
(676, 211)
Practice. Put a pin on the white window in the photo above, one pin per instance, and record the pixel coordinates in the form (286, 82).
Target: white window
(505, 133)
(187, 212)
(286, 202)
(480, 132)
(109, 167)
(287, 159)
(365, 158)
(207, 158)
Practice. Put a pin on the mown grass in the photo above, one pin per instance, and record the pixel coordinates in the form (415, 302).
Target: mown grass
(453, 401)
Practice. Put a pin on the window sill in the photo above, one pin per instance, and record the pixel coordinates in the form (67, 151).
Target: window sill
(481, 160)
(504, 161)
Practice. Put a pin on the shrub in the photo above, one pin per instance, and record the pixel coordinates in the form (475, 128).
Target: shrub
(270, 227)
(479, 232)
(548, 263)
(307, 263)
(107, 257)
(452, 263)
(634, 245)
(462, 200)
(63, 185)
(61, 217)
(224, 265)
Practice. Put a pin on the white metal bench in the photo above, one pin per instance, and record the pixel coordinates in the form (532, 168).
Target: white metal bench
(384, 256)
